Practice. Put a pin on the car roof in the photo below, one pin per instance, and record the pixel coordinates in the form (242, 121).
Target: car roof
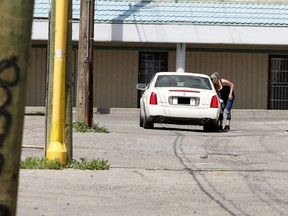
(183, 73)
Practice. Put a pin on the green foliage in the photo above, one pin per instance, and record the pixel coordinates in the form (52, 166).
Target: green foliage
(83, 127)
(84, 164)
(90, 165)
(99, 129)
(41, 163)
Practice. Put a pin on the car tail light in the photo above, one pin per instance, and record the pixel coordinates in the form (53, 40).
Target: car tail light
(153, 98)
(214, 102)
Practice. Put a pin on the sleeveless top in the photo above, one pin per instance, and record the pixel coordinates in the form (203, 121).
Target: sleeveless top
(224, 92)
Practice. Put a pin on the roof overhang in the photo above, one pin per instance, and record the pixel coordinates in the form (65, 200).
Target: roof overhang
(196, 34)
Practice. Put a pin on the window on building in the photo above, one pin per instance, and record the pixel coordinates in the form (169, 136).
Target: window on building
(278, 83)
(149, 64)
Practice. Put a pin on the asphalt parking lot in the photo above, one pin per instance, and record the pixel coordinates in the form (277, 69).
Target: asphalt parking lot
(170, 170)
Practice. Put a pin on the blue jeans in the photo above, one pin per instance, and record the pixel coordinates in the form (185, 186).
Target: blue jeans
(228, 106)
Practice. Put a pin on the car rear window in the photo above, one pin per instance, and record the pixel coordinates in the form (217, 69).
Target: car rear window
(183, 81)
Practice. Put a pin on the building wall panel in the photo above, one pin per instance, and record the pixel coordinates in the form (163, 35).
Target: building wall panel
(171, 61)
(116, 74)
(115, 78)
(36, 79)
(248, 71)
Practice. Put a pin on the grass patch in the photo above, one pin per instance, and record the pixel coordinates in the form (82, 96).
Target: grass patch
(83, 164)
(41, 163)
(100, 129)
(84, 128)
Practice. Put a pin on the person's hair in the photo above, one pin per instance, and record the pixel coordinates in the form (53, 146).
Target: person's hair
(215, 75)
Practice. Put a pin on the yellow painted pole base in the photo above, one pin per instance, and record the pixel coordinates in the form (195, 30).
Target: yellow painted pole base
(57, 150)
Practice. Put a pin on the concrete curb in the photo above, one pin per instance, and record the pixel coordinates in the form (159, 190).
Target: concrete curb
(246, 112)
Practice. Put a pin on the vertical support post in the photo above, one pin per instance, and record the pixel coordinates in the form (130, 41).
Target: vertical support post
(180, 57)
(57, 148)
(84, 107)
(91, 57)
(68, 140)
(82, 76)
(50, 71)
(15, 36)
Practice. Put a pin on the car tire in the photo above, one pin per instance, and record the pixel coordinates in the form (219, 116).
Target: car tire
(147, 124)
(140, 120)
(210, 128)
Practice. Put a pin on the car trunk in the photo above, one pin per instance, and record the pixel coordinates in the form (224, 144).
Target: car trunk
(194, 98)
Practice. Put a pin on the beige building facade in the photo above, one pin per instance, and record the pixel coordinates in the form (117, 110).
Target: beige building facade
(244, 40)
(116, 71)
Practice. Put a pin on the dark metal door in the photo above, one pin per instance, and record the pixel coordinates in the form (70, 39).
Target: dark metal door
(149, 64)
(278, 83)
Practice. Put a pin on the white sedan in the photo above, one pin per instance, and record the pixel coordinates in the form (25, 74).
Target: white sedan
(179, 98)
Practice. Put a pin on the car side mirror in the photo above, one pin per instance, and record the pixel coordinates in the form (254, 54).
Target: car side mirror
(141, 86)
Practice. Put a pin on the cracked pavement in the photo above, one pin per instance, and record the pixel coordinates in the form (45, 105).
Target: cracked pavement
(170, 170)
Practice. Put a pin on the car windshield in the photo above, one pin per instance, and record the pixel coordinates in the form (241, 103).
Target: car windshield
(183, 81)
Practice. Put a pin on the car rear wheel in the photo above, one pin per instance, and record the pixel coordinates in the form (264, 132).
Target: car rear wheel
(147, 124)
(210, 128)
(140, 120)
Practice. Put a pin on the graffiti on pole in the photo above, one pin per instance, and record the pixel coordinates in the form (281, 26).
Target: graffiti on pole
(6, 66)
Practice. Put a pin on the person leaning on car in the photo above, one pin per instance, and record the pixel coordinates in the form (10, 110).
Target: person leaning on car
(225, 89)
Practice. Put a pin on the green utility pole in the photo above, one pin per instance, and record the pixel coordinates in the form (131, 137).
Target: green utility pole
(15, 36)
